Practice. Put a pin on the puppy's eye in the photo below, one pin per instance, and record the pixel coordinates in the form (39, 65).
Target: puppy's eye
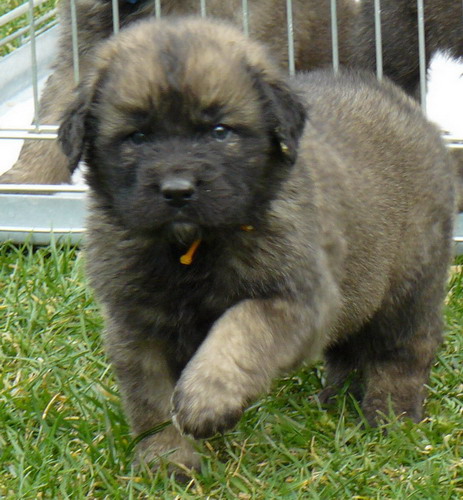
(220, 132)
(138, 137)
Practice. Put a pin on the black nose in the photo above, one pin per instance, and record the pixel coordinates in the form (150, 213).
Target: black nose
(177, 192)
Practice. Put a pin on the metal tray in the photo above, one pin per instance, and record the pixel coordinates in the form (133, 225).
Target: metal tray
(39, 214)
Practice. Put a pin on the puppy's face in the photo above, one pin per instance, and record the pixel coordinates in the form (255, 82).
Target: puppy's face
(185, 126)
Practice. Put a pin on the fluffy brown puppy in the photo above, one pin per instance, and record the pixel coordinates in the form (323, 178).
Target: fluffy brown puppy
(241, 224)
(43, 162)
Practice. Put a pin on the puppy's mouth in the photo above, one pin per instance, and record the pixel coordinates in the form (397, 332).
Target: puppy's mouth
(182, 232)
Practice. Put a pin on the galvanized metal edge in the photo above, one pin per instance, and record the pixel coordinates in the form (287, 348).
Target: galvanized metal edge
(43, 214)
(40, 214)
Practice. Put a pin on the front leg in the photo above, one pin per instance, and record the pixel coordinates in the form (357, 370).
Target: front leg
(146, 384)
(247, 347)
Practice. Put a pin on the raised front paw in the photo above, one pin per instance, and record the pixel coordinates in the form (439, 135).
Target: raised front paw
(205, 405)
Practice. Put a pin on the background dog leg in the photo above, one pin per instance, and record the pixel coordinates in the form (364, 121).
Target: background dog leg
(247, 347)
(147, 387)
(42, 161)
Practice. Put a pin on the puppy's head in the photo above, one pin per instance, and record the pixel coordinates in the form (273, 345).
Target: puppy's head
(185, 126)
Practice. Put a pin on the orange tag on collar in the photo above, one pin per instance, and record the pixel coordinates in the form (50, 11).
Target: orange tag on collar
(187, 258)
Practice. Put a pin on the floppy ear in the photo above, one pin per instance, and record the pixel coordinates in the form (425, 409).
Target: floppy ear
(73, 130)
(71, 133)
(285, 112)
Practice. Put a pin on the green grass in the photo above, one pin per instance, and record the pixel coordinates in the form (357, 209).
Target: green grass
(20, 22)
(63, 433)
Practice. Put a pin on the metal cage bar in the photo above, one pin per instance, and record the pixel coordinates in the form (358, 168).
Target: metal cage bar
(378, 40)
(116, 20)
(35, 85)
(422, 53)
(75, 43)
(203, 8)
(245, 16)
(334, 35)
(290, 31)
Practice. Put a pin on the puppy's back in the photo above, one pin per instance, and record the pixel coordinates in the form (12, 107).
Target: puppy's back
(383, 185)
(382, 137)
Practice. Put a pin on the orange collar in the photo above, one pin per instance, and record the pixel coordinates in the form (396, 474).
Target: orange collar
(187, 258)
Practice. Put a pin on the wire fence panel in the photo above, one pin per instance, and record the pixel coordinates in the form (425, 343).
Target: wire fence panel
(202, 9)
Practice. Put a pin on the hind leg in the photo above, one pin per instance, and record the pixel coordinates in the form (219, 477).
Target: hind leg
(41, 161)
(395, 381)
(342, 366)
(391, 356)
(401, 342)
